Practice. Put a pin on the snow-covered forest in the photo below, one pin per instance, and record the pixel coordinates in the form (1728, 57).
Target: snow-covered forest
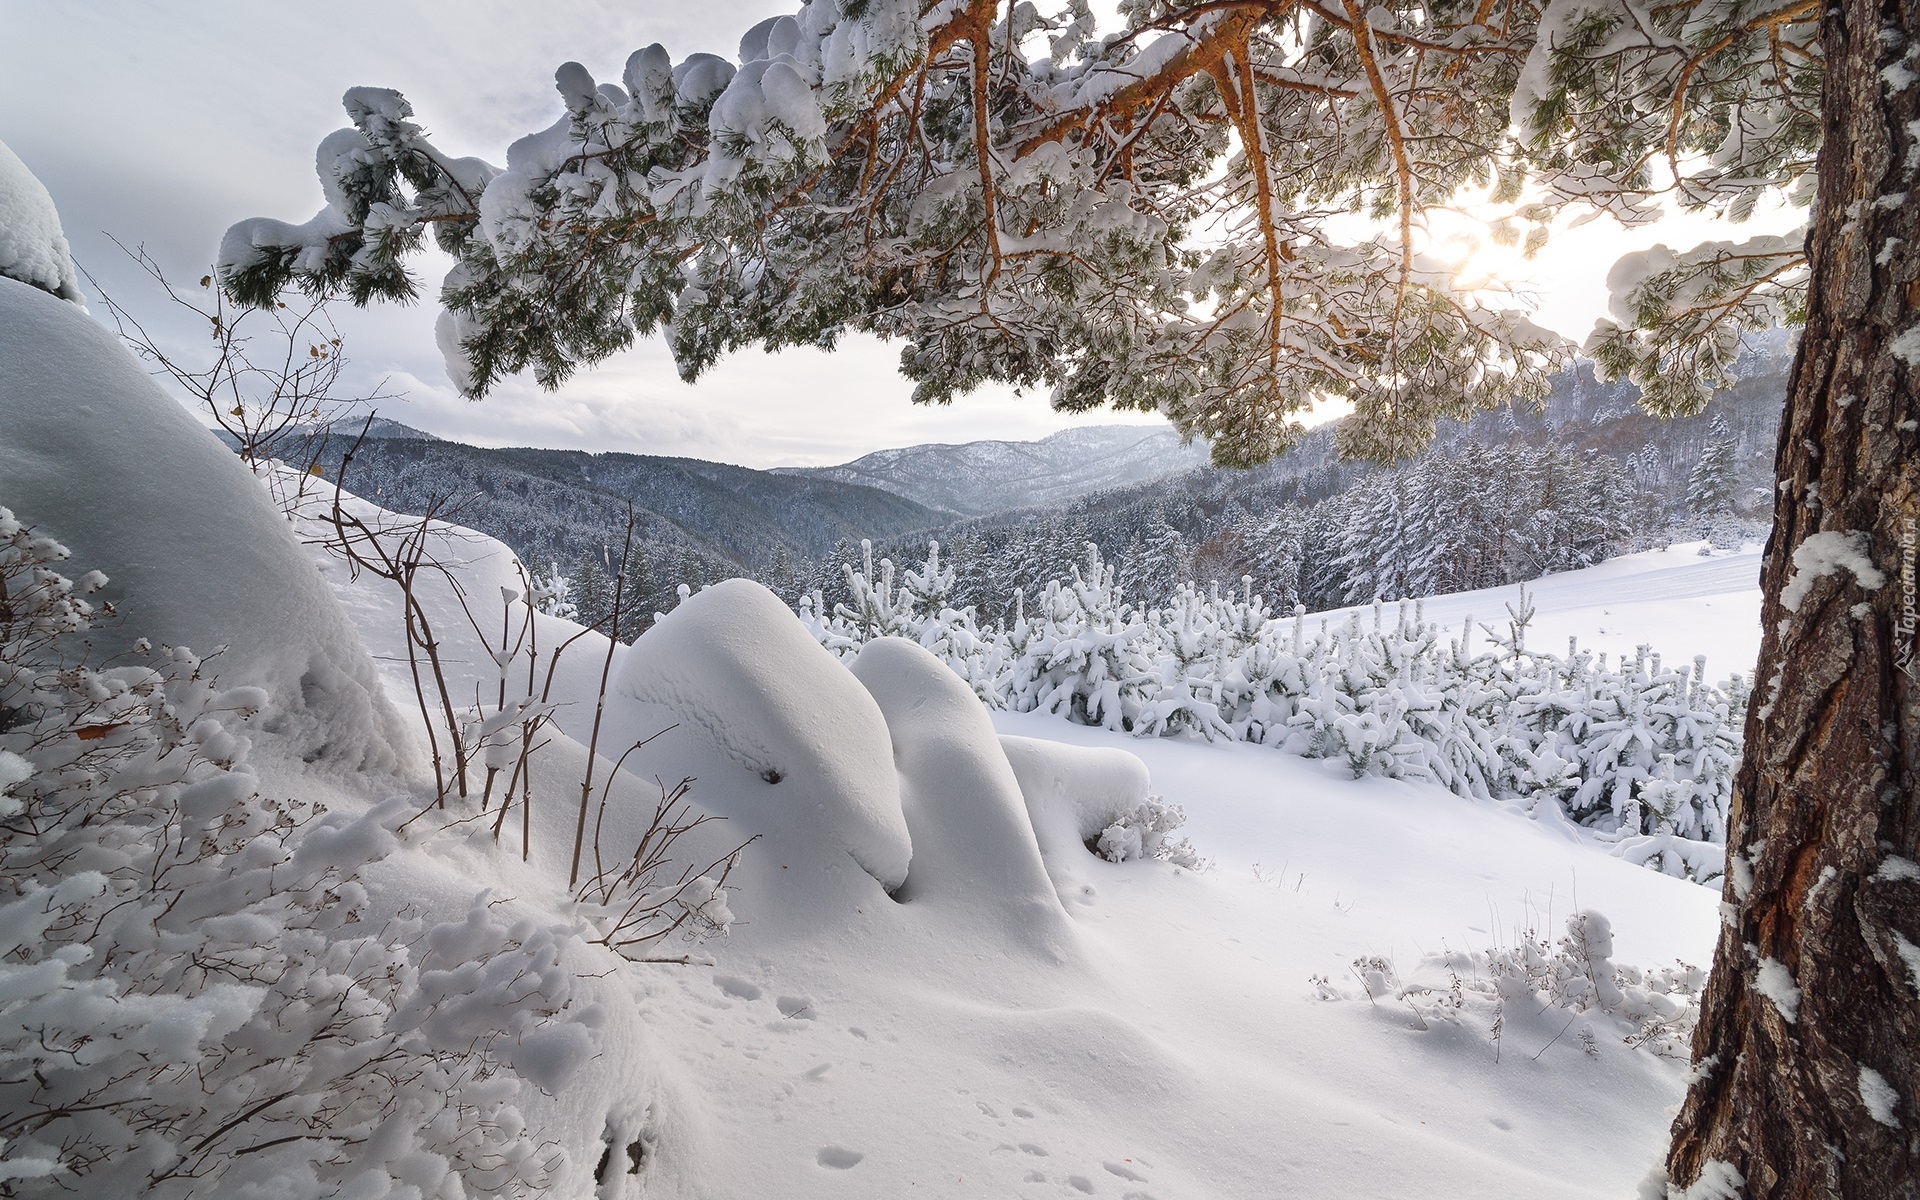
(1505, 498)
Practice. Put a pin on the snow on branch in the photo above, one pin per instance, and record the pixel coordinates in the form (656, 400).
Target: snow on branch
(1139, 219)
(196, 996)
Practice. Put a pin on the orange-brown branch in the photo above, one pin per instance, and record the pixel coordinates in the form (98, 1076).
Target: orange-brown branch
(1396, 138)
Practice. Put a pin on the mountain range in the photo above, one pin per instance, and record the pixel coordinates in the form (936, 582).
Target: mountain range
(696, 522)
(974, 479)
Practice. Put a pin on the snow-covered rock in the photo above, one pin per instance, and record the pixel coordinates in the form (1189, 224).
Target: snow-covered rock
(196, 553)
(734, 666)
(33, 248)
(973, 844)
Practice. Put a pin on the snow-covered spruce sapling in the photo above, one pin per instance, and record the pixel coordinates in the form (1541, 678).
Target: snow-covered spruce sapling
(1650, 1009)
(1143, 834)
(192, 1000)
(1389, 696)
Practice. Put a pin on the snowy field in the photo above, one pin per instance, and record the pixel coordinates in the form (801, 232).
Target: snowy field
(1138, 1030)
(1676, 600)
(929, 986)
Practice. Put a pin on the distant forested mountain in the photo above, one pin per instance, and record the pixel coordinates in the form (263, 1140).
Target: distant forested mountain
(1509, 495)
(976, 478)
(695, 522)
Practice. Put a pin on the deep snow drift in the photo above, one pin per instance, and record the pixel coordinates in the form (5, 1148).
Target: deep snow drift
(96, 454)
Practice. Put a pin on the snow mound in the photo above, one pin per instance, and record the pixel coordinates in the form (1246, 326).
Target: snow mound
(196, 554)
(972, 839)
(736, 667)
(33, 248)
(1073, 794)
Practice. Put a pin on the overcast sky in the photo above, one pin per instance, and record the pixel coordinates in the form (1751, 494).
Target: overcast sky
(163, 123)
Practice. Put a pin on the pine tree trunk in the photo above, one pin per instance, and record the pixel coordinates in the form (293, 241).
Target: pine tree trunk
(1808, 1053)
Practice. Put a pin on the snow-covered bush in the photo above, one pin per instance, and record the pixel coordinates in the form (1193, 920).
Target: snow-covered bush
(1652, 1009)
(1143, 833)
(33, 247)
(1639, 753)
(193, 997)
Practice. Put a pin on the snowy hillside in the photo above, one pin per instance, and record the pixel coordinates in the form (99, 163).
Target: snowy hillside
(1676, 601)
(923, 981)
(1024, 1018)
(330, 867)
(976, 478)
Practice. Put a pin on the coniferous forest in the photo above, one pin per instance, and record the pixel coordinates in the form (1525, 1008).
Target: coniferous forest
(1507, 497)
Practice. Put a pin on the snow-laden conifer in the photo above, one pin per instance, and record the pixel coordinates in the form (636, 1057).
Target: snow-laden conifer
(1638, 753)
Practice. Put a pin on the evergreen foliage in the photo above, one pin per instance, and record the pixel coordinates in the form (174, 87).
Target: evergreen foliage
(1640, 754)
(1140, 219)
(1711, 485)
(1446, 522)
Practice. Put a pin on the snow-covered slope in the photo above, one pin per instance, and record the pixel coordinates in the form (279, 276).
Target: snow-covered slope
(195, 552)
(1129, 1030)
(994, 1029)
(930, 986)
(1678, 601)
(975, 478)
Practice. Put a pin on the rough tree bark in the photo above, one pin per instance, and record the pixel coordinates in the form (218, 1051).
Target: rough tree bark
(1807, 1078)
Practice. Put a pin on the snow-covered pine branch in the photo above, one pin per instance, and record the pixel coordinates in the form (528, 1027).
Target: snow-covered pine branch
(1138, 219)
(1708, 106)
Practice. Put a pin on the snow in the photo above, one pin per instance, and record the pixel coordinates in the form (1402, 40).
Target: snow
(1676, 600)
(1719, 1180)
(929, 986)
(1072, 794)
(1773, 980)
(1879, 1097)
(1827, 553)
(1910, 955)
(1131, 1027)
(1895, 869)
(100, 457)
(973, 843)
(1906, 347)
(1157, 1034)
(736, 666)
(33, 247)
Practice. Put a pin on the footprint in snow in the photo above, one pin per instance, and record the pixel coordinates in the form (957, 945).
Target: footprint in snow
(838, 1157)
(737, 987)
(1123, 1172)
(798, 1008)
(1081, 1183)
